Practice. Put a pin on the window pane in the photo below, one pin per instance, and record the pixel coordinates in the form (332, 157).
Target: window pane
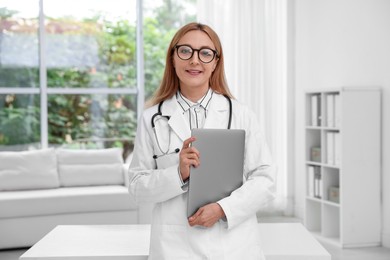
(92, 121)
(91, 43)
(19, 122)
(19, 43)
(162, 18)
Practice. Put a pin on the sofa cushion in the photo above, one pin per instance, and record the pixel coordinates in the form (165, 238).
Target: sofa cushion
(90, 167)
(64, 201)
(28, 170)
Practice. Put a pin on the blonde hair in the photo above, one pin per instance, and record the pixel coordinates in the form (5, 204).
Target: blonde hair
(170, 82)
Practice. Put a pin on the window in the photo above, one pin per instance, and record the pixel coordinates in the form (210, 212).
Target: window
(69, 74)
(19, 71)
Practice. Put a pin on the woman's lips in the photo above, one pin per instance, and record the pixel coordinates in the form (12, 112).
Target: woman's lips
(194, 72)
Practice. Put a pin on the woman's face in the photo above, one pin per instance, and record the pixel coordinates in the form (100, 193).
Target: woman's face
(194, 74)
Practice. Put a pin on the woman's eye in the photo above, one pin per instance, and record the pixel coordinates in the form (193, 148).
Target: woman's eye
(206, 53)
(185, 51)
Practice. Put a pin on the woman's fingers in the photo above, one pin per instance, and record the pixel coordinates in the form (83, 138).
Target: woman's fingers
(193, 161)
(189, 156)
(188, 151)
(187, 142)
(207, 215)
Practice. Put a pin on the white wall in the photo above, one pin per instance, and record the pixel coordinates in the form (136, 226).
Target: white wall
(342, 43)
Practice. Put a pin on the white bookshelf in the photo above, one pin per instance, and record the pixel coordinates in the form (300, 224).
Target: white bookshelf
(349, 137)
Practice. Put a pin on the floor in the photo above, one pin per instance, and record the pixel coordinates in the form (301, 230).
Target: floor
(375, 253)
(368, 253)
(371, 253)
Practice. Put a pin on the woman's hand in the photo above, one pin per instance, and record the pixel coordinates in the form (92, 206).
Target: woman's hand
(189, 156)
(207, 215)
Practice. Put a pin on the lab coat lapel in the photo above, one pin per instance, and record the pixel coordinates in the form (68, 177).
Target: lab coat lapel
(177, 120)
(218, 114)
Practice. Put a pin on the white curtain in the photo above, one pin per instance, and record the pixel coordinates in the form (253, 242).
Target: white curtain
(254, 39)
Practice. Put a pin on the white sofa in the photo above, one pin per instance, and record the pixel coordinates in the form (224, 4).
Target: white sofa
(44, 188)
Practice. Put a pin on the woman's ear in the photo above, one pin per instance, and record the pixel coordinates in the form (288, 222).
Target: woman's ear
(214, 66)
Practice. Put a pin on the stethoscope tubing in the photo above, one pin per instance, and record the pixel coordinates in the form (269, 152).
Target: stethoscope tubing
(159, 113)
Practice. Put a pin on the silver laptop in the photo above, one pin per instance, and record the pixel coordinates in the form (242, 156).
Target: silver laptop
(221, 166)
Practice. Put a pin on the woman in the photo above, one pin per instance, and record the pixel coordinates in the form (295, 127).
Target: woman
(192, 95)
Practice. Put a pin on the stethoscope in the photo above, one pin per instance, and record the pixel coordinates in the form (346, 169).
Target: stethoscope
(166, 152)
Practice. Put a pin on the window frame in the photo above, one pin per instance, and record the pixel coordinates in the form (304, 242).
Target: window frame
(44, 91)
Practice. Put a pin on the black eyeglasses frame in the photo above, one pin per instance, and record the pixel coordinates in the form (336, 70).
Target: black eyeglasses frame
(197, 50)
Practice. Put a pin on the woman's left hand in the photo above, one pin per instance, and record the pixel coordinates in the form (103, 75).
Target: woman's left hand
(207, 215)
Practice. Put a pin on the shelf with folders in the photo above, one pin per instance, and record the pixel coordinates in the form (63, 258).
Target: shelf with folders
(323, 110)
(322, 167)
(323, 184)
(323, 147)
(323, 140)
(340, 125)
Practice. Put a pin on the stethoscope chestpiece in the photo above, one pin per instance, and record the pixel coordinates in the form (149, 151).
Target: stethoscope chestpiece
(177, 150)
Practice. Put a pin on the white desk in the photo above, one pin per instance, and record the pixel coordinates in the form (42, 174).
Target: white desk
(280, 241)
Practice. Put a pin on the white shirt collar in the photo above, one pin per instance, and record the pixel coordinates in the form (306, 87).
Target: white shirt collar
(186, 104)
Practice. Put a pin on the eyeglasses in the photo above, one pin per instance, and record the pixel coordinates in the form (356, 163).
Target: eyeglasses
(205, 55)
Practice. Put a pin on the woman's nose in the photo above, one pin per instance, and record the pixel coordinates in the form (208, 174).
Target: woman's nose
(195, 57)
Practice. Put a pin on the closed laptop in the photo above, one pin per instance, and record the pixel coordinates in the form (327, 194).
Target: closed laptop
(221, 166)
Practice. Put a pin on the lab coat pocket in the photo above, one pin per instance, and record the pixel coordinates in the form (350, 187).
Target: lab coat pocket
(170, 241)
(168, 160)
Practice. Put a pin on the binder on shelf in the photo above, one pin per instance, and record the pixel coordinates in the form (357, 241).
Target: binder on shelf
(330, 109)
(310, 182)
(315, 110)
(317, 182)
(337, 148)
(337, 110)
(314, 183)
(330, 148)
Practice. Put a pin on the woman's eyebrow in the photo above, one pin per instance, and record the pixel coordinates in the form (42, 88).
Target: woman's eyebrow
(201, 47)
(207, 47)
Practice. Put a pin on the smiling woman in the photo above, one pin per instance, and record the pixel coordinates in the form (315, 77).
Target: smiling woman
(194, 94)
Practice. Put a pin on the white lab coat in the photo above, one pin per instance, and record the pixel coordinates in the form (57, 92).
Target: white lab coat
(157, 181)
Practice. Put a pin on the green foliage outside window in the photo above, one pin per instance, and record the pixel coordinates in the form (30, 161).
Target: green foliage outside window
(13, 126)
